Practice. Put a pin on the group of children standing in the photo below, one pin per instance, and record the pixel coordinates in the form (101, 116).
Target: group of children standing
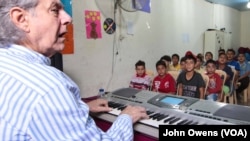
(190, 81)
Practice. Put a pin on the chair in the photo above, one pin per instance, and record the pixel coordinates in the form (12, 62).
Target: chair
(232, 93)
(246, 94)
(174, 73)
(206, 80)
(151, 74)
(223, 75)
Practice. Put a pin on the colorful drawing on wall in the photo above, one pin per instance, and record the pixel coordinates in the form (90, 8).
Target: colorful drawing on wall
(93, 24)
(69, 40)
(67, 6)
(109, 26)
(143, 5)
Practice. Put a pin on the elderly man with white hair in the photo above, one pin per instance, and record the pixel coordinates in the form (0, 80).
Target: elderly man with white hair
(38, 101)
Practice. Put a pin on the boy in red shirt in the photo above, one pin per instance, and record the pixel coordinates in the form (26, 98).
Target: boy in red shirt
(215, 82)
(163, 82)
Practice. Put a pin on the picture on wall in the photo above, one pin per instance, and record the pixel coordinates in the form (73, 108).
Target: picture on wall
(143, 5)
(67, 6)
(69, 39)
(93, 24)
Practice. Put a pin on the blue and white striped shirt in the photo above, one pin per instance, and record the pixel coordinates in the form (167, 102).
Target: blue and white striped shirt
(38, 102)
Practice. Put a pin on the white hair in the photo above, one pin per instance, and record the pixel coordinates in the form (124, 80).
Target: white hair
(9, 32)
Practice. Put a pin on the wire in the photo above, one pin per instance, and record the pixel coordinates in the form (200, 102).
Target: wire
(113, 47)
(127, 6)
(118, 6)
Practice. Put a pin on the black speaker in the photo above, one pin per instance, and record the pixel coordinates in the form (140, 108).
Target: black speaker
(57, 61)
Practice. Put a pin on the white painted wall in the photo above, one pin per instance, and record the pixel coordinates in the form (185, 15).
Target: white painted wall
(173, 26)
(245, 29)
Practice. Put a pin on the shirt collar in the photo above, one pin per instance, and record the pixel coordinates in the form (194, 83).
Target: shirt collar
(143, 75)
(28, 55)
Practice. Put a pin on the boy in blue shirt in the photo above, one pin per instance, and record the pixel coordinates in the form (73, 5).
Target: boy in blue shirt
(244, 73)
(231, 62)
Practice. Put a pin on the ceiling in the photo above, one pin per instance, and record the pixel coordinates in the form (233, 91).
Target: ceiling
(236, 4)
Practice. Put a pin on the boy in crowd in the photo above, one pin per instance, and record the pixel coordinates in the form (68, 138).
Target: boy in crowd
(198, 65)
(244, 73)
(222, 65)
(215, 82)
(164, 82)
(232, 63)
(183, 64)
(175, 66)
(208, 56)
(167, 60)
(140, 80)
(190, 83)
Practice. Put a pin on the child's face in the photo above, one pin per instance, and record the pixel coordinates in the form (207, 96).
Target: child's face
(222, 59)
(183, 65)
(230, 55)
(175, 60)
(198, 63)
(161, 70)
(210, 68)
(208, 56)
(190, 65)
(241, 58)
(140, 70)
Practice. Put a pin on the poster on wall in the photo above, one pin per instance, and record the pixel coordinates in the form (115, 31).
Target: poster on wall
(67, 6)
(69, 40)
(93, 24)
(142, 5)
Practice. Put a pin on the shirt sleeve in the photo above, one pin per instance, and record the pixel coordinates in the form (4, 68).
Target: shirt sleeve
(248, 68)
(153, 84)
(148, 80)
(237, 66)
(121, 134)
(172, 84)
(61, 115)
(201, 82)
(131, 84)
(179, 78)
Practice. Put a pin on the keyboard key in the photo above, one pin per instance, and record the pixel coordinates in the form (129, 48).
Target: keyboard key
(188, 123)
(182, 122)
(161, 117)
(174, 120)
(167, 120)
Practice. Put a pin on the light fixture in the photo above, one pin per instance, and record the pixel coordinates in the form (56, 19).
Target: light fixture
(248, 4)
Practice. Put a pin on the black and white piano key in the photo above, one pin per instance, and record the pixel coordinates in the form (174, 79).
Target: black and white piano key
(173, 121)
(182, 122)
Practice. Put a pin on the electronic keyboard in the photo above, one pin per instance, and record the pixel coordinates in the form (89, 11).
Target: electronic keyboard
(169, 109)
